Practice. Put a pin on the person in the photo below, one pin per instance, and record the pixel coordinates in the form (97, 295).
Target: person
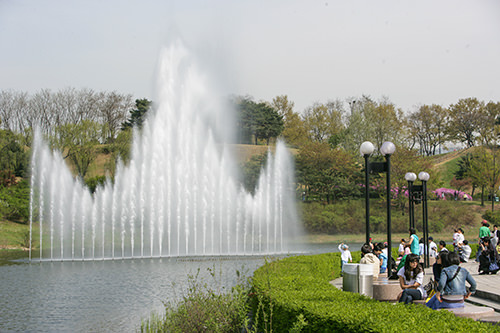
(421, 249)
(494, 236)
(460, 238)
(464, 251)
(345, 254)
(451, 290)
(455, 239)
(441, 261)
(378, 251)
(432, 248)
(442, 246)
(484, 231)
(411, 278)
(414, 248)
(369, 258)
(489, 255)
(401, 249)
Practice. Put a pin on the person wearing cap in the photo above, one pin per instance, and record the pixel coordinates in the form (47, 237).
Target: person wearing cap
(345, 255)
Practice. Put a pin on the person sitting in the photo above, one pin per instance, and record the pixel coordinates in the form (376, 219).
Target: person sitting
(401, 249)
(378, 251)
(464, 251)
(451, 290)
(411, 278)
(437, 267)
(488, 256)
(369, 258)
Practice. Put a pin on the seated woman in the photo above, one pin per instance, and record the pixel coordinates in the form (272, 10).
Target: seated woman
(451, 290)
(437, 267)
(411, 278)
(488, 255)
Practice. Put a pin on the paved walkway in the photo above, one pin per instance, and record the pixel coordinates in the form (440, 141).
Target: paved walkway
(489, 283)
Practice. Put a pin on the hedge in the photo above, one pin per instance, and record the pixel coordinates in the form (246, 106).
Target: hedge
(294, 294)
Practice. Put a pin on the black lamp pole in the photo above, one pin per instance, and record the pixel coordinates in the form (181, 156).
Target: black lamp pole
(411, 212)
(389, 242)
(425, 223)
(367, 197)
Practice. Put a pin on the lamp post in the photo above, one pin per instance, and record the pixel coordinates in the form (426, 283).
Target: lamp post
(387, 149)
(410, 178)
(424, 177)
(366, 150)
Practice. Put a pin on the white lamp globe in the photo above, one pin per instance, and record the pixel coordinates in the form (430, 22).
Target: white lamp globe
(410, 176)
(388, 148)
(367, 148)
(424, 176)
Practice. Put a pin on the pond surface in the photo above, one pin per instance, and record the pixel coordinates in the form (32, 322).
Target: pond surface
(110, 296)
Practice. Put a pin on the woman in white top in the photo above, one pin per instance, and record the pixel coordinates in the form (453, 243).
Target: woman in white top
(411, 278)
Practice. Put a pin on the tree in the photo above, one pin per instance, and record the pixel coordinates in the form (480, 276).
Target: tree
(257, 120)
(427, 126)
(323, 121)
(294, 131)
(137, 115)
(78, 142)
(328, 173)
(485, 170)
(113, 108)
(464, 120)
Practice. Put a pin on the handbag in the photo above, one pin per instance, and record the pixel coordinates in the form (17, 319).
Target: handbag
(493, 266)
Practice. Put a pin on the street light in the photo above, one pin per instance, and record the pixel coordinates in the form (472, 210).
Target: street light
(366, 150)
(387, 149)
(410, 178)
(424, 177)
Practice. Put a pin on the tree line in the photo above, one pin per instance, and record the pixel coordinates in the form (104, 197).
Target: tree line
(83, 123)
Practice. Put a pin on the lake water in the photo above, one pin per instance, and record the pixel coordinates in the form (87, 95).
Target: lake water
(111, 296)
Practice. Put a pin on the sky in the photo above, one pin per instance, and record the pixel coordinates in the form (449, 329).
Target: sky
(411, 52)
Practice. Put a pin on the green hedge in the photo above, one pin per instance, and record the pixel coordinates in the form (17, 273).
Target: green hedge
(294, 294)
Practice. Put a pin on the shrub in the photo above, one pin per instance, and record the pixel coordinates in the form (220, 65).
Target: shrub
(14, 202)
(297, 290)
(203, 309)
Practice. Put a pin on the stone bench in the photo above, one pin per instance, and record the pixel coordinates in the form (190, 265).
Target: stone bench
(386, 290)
(472, 311)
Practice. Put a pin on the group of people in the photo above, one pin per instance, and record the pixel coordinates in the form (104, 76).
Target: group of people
(375, 254)
(487, 253)
(450, 290)
(450, 278)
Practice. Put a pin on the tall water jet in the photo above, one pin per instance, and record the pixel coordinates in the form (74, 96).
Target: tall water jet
(178, 195)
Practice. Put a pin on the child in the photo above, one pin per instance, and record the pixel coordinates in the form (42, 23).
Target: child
(345, 254)
(378, 251)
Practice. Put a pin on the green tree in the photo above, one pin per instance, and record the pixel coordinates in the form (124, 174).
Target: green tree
(14, 159)
(78, 143)
(138, 115)
(485, 171)
(323, 121)
(326, 173)
(294, 131)
(257, 120)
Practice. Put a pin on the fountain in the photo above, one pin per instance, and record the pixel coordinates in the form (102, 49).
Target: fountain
(178, 195)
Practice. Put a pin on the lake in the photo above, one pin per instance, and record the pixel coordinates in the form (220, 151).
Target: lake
(110, 295)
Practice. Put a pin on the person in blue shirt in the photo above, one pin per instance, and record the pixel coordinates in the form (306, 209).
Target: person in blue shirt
(378, 251)
(413, 243)
(451, 291)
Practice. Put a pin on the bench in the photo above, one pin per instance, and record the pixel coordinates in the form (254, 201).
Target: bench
(472, 311)
(386, 290)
